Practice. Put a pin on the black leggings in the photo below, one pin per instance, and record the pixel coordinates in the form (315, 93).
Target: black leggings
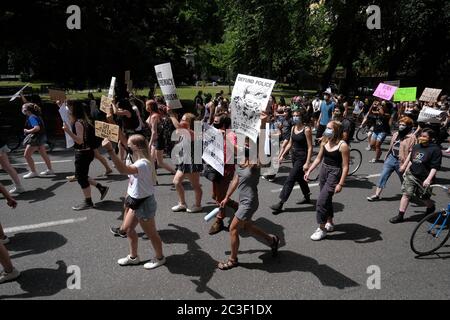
(295, 175)
(83, 160)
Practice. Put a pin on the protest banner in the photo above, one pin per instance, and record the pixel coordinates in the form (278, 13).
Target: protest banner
(16, 95)
(105, 104)
(213, 148)
(405, 94)
(57, 95)
(395, 83)
(107, 130)
(385, 91)
(430, 115)
(167, 84)
(111, 88)
(430, 95)
(64, 113)
(250, 97)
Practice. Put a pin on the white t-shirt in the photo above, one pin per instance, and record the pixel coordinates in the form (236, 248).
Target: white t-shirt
(141, 123)
(316, 105)
(141, 185)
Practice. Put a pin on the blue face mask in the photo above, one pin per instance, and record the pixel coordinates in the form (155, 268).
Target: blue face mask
(296, 120)
(328, 133)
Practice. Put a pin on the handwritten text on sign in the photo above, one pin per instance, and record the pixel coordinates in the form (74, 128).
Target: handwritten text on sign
(107, 130)
(385, 91)
(105, 104)
(430, 95)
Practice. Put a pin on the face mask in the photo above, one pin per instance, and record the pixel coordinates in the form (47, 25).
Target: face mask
(328, 133)
(402, 128)
(217, 125)
(423, 141)
(296, 120)
(325, 97)
(408, 112)
(129, 151)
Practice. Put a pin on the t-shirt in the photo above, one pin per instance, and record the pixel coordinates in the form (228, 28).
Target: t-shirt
(424, 159)
(396, 148)
(347, 126)
(358, 107)
(326, 110)
(33, 121)
(140, 185)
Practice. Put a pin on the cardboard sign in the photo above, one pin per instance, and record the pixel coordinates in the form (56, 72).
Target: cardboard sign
(57, 95)
(16, 95)
(405, 94)
(105, 104)
(430, 115)
(167, 84)
(107, 130)
(385, 91)
(430, 95)
(111, 88)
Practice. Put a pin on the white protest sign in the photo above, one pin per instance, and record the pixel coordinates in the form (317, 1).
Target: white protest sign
(167, 84)
(249, 99)
(64, 113)
(213, 148)
(430, 115)
(111, 88)
(16, 95)
(430, 95)
(267, 141)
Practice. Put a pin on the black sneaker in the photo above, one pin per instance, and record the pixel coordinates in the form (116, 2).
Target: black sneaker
(274, 246)
(306, 200)
(277, 207)
(84, 206)
(117, 232)
(397, 219)
(430, 210)
(103, 192)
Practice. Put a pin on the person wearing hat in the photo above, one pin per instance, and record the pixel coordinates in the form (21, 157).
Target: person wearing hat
(326, 112)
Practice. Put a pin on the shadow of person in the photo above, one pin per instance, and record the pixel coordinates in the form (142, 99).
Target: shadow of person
(41, 282)
(32, 243)
(40, 194)
(289, 261)
(337, 207)
(267, 226)
(110, 205)
(359, 183)
(355, 232)
(194, 262)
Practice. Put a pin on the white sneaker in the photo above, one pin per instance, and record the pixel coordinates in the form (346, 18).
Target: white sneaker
(318, 235)
(47, 172)
(17, 190)
(154, 263)
(179, 208)
(30, 175)
(329, 227)
(194, 209)
(368, 148)
(128, 261)
(5, 240)
(5, 277)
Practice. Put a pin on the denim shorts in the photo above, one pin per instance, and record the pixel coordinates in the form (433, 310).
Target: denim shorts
(147, 209)
(379, 136)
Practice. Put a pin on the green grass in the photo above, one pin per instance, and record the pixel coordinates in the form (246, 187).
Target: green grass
(35, 85)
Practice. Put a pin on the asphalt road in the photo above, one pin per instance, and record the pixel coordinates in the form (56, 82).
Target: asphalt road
(335, 268)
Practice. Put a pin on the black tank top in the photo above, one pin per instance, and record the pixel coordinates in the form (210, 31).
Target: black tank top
(299, 143)
(333, 158)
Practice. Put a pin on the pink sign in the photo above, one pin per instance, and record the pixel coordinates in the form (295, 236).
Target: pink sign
(385, 91)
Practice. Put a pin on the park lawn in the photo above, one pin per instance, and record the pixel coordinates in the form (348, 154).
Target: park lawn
(34, 85)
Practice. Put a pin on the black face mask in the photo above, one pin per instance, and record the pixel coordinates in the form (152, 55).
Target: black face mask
(129, 151)
(247, 153)
(217, 125)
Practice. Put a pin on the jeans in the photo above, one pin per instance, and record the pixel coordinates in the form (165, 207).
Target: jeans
(295, 175)
(390, 165)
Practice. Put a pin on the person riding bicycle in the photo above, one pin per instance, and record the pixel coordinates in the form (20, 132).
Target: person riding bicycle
(420, 170)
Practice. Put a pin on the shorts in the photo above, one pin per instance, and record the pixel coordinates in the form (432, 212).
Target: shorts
(379, 137)
(411, 188)
(189, 168)
(147, 209)
(41, 140)
(246, 212)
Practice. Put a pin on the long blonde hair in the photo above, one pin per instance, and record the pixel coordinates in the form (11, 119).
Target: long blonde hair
(142, 146)
(337, 135)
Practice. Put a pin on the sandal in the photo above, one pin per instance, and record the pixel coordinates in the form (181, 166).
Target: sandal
(275, 244)
(230, 264)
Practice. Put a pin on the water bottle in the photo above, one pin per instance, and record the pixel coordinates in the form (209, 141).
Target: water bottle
(212, 214)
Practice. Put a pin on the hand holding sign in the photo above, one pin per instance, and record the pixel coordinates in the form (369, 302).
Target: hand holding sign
(19, 93)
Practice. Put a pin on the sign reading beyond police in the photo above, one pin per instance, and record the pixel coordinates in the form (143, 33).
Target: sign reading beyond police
(107, 130)
(167, 85)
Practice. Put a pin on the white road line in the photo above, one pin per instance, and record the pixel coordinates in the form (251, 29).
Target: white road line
(312, 185)
(44, 225)
(57, 161)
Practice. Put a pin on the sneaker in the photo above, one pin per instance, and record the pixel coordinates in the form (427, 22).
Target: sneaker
(329, 227)
(368, 148)
(128, 261)
(5, 240)
(71, 178)
(430, 210)
(179, 208)
(155, 263)
(117, 232)
(397, 219)
(103, 192)
(271, 179)
(84, 206)
(216, 227)
(6, 277)
(306, 200)
(47, 172)
(373, 161)
(319, 235)
(194, 209)
(30, 175)
(277, 207)
(17, 190)
(373, 198)
(274, 246)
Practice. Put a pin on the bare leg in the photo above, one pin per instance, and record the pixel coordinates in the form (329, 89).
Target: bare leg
(404, 202)
(2, 233)
(257, 232)
(29, 150)
(5, 261)
(102, 160)
(236, 224)
(194, 178)
(129, 226)
(6, 165)
(178, 182)
(44, 156)
(149, 228)
(160, 161)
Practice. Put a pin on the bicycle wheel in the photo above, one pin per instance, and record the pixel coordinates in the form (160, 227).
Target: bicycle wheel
(431, 233)
(361, 134)
(355, 161)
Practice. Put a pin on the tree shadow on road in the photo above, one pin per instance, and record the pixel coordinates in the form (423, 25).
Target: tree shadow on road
(355, 232)
(194, 262)
(41, 282)
(32, 243)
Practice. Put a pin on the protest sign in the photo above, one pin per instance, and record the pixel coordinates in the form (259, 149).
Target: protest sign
(250, 97)
(213, 148)
(430, 115)
(167, 84)
(16, 95)
(64, 113)
(107, 130)
(57, 95)
(105, 104)
(111, 88)
(405, 94)
(385, 91)
(430, 95)
(395, 83)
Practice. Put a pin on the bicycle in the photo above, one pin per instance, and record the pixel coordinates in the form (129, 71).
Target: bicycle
(433, 231)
